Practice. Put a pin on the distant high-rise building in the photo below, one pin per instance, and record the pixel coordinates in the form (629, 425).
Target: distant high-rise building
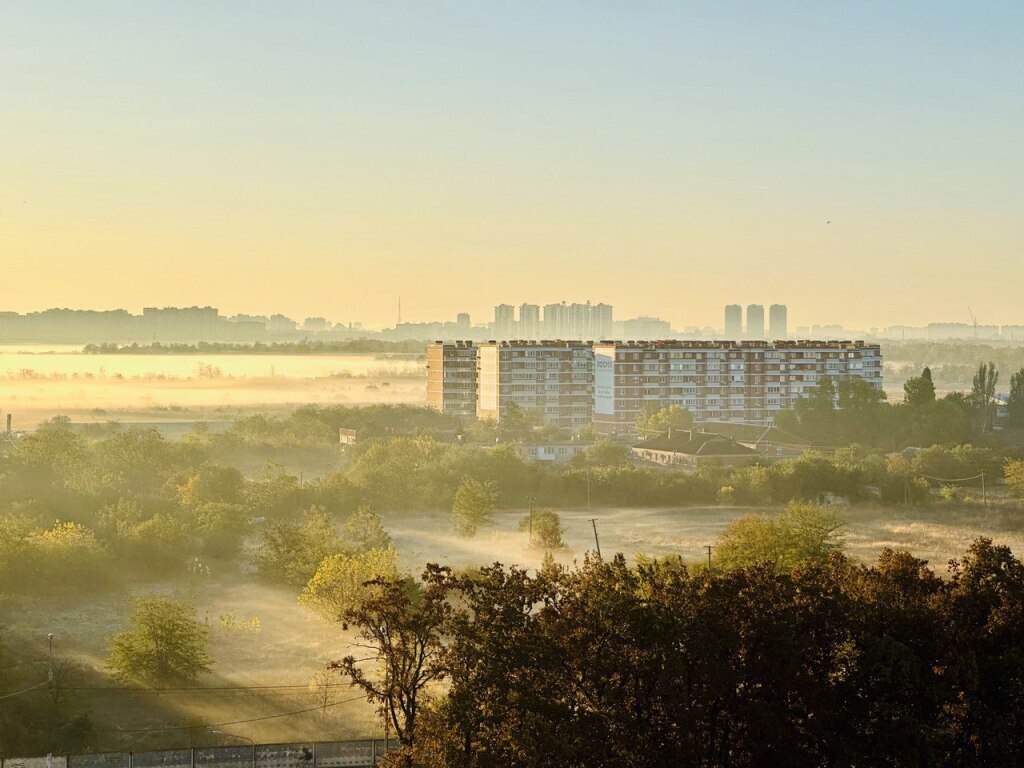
(529, 321)
(462, 321)
(601, 322)
(556, 321)
(778, 323)
(755, 322)
(504, 321)
(579, 321)
(733, 322)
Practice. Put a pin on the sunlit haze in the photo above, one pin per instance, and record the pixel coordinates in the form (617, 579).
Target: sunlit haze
(667, 158)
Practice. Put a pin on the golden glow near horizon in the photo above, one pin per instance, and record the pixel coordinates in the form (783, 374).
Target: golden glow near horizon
(667, 160)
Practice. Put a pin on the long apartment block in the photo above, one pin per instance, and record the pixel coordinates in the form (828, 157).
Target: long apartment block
(609, 383)
(746, 382)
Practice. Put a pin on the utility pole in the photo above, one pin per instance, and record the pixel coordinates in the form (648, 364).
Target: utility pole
(49, 637)
(708, 547)
(597, 542)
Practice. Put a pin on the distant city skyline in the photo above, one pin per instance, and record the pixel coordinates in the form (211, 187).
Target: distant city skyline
(579, 321)
(465, 318)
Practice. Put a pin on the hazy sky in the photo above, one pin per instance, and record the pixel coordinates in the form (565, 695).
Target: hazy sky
(666, 157)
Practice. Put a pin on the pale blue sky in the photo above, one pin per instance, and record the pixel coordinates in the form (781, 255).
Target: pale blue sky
(323, 157)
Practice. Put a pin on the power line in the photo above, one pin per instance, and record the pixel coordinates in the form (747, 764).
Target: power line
(182, 689)
(949, 479)
(203, 689)
(24, 690)
(232, 722)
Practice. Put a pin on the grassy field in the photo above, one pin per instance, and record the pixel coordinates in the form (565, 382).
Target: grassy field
(936, 533)
(262, 637)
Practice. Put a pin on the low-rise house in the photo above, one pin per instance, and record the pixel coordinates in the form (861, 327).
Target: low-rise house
(690, 449)
(557, 451)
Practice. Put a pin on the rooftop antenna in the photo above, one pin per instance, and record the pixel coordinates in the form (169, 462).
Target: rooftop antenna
(974, 322)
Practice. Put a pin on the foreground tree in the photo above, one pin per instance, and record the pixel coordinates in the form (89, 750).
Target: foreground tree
(606, 665)
(400, 624)
(164, 644)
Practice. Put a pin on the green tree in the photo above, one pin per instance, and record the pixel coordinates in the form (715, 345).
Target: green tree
(221, 528)
(340, 583)
(814, 416)
(546, 527)
(164, 644)
(803, 531)
(62, 560)
(919, 390)
(274, 493)
(364, 530)
(515, 423)
(390, 473)
(1015, 401)
(291, 552)
(983, 392)
(606, 453)
(1013, 472)
(212, 484)
(473, 505)
(654, 421)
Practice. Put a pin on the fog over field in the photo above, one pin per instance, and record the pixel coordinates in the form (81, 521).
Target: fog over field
(38, 382)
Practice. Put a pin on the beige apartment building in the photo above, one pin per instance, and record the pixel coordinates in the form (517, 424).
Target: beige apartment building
(451, 378)
(725, 381)
(553, 378)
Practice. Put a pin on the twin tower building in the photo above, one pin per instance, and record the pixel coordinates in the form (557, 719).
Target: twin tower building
(778, 322)
(608, 384)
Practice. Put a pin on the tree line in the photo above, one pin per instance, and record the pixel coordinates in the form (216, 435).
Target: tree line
(838, 413)
(817, 662)
(303, 347)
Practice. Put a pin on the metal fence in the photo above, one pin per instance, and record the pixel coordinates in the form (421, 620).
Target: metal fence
(322, 754)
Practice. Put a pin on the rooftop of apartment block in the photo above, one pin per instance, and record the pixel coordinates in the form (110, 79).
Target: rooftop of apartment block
(664, 344)
(683, 344)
